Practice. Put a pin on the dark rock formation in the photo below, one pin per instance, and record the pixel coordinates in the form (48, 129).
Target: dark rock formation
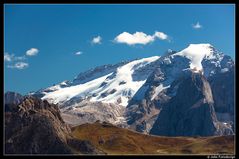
(190, 112)
(36, 127)
(105, 94)
(223, 91)
(146, 104)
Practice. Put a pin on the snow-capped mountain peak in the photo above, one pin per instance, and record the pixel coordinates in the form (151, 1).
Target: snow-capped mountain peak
(132, 93)
(196, 53)
(119, 83)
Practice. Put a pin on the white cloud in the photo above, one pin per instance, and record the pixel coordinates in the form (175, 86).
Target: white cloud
(19, 65)
(8, 57)
(139, 38)
(197, 25)
(161, 35)
(136, 38)
(78, 53)
(12, 57)
(96, 40)
(32, 52)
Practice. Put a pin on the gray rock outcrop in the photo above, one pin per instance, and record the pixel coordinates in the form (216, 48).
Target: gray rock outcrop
(190, 112)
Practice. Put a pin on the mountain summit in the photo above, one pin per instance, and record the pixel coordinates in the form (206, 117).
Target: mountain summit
(133, 93)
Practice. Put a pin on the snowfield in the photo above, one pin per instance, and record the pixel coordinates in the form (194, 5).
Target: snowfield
(117, 90)
(117, 84)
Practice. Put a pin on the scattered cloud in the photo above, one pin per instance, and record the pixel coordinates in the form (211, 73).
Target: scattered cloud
(139, 38)
(19, 65)
(32, 52)
(96, 40)
(197, 25)
(8, 57)
(78, 53)
(11, 57)
(161, 35)
(20, 58)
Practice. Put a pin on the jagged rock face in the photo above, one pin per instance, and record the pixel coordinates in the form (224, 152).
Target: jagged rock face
(33, 126)
(146, 104)
(141, 117)
(36, 127)
(223, 90)
(191, 112)
(164, 82)
(12, 98)
(141, 112)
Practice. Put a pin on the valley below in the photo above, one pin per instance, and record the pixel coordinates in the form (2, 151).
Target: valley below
(113, 140)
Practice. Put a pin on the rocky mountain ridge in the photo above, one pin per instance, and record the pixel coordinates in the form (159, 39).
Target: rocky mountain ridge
(36, 127)
(132, 94)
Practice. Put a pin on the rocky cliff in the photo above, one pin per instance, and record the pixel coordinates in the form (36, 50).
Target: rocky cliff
(190, 112)
(36, 127)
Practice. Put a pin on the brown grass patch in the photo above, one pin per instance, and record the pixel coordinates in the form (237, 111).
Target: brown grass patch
(115, 140)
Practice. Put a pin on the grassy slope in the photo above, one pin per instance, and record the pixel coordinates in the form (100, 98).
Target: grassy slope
(114, 140)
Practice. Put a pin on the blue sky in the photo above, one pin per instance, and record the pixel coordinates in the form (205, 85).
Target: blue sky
(41, 41)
